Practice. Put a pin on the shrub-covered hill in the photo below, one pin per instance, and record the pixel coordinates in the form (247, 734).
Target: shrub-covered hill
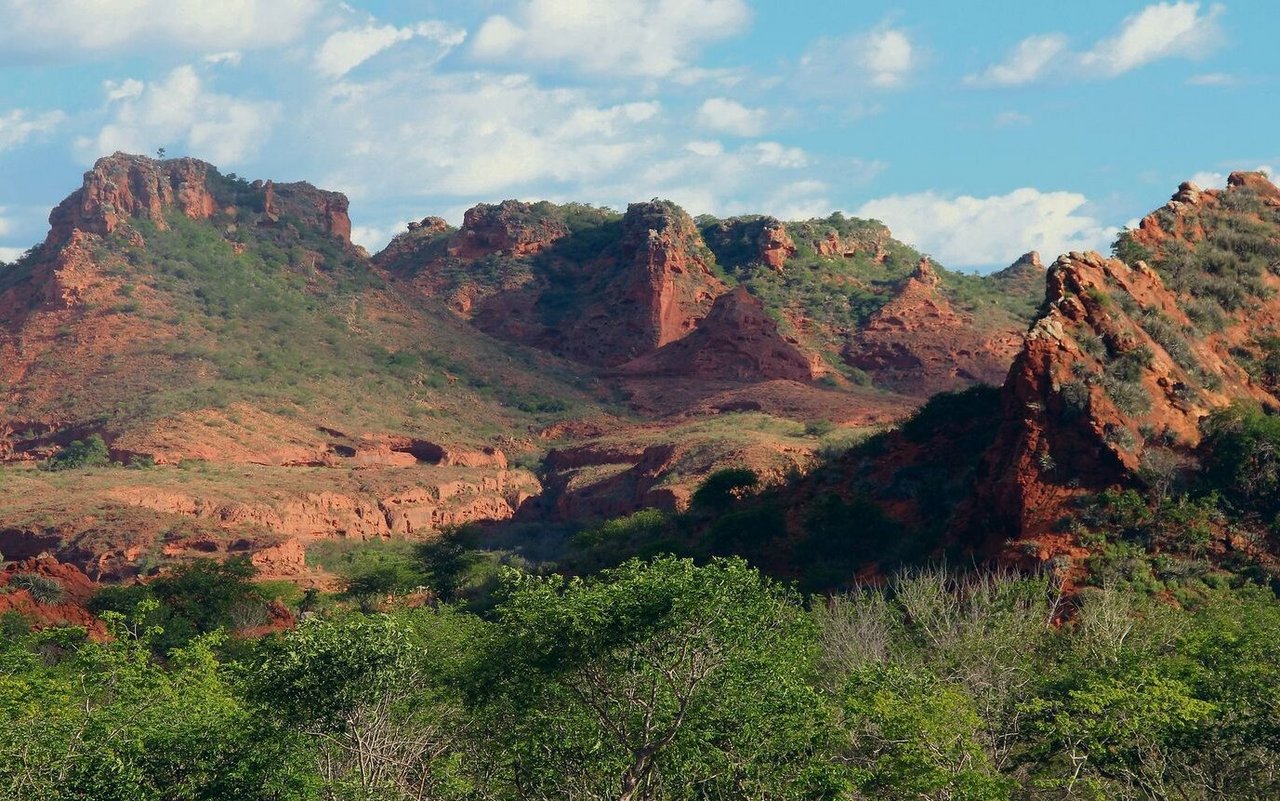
(167, 292)
(605, 289)
(1136, 429)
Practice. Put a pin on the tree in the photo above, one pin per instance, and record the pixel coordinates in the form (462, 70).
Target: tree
(656, 679)
(375, 699)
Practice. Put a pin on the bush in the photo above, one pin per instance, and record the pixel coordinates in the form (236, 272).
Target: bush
(1128, 250)
(1240, 453)
(722, 488)
(43, 590)
(91, 452)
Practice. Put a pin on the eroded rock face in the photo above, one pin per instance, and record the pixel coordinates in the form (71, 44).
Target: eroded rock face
(919, 344)
(1092, 386)
(122, 186)
(70, 611)
(835, 245)
(655, 294)
(510, 228)
(318, 209)
(737, 340)
(740, 240)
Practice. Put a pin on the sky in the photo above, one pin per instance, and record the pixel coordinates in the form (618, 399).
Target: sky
(977, 131)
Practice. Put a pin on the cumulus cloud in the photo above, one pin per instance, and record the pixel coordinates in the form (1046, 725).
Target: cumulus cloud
(75, 29)
(1163, 30)
(884, 58)
(731, 117)
(888, 57)
(180, 113)
(1158, 31)
(347, 49)
(991, 232)
(1027, 62)
(475, 135)
(652, 38)
(17, 126)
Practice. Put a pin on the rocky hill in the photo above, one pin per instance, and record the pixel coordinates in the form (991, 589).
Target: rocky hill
(289, 388)
(1110, 391)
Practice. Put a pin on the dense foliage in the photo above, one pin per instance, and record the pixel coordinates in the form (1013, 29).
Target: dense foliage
(663, 679)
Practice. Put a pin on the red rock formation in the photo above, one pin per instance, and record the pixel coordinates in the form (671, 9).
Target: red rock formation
(1063, 432)
(122, 186)
(776, 245)
(659, 289)
(315, 208)
(835, 245)
(511, 228)
(919, 344)
(77, 589)
(737, 340)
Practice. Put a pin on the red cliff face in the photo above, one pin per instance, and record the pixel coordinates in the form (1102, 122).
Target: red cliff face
(1113, 369)
(658, 290)
(918, 344)
(122, 186)
(776, 245)
(315, 208)
(737, 340)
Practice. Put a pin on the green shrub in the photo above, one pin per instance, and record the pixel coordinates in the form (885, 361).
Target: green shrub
(723, 488)
(43, 590)
(1128, 250)
(91, 452)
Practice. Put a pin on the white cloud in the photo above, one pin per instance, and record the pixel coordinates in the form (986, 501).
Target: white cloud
(474, 135)
(773, 154)
(180, 114)
(11, 254)
(709, 149)
(992, 231)
(1159, 31)
(1212, 79)
(347, 49)
(128, 89)
(652, 38)
(1162, 30)
(731, 117)
(231, 58)
(888, 57)
(883, 58)
(17, 126)
(1027, 62)
(74, 29)
(1012, 119)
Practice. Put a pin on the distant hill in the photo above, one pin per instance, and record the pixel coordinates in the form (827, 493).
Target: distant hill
(194, 318)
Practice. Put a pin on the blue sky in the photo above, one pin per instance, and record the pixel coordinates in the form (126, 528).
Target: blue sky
(976, 130)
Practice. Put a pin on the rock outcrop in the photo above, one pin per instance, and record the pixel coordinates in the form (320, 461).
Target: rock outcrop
(72, 586)
(1116, 368)
(739, 241)
(121, 186)
(919, 344)
(510, 228)
(737, 340)
(316, 209)
(654, 293)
